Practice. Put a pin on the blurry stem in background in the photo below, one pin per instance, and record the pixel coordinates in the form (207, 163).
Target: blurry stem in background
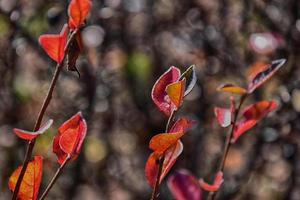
(161, 162)
(44, 107)
(54, 178)
(211, 195)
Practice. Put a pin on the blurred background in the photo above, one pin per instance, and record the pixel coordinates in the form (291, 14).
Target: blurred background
(128, 45)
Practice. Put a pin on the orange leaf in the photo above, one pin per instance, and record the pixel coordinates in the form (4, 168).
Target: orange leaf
(78, 11)
(215, 186)
(161, 142)
(230, 88)
(176, 92)
(54, 44)
(70, 137)
(266, 73)
(30, 135)
(252, 115)
(151, 168)
(256, 68)
(31, 181)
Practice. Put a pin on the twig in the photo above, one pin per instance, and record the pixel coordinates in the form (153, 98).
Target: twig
(211, 195)
(53, 180)
(43, 109)
(161, 162)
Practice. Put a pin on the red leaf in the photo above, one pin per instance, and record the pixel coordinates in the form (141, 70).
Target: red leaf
(30, 135)
(171, 156)
(161, 142)
(184, 186)
(31, 182)
(70, 137)
(176, 92)
(215, 186)
(265, 74)
(54, 44)
(159, 94)
(251, 116)
(78, 11)
(224, 116)
(182, 125)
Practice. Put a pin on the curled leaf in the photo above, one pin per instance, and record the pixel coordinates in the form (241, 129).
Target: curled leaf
(54, 44)
(78, 11)
(191, 79)
(30, 135)
(264, 74)
(251, 116)
(74, 50)
(31, 182)
(68, 141)
(215, 186)
(152, 164)
(159, 94)
(184, 186)
(224, 116)
(230, 88)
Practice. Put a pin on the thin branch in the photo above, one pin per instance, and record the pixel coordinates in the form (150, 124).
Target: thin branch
(54, 178)
(41, 114)
(161, 162)
(211, 195)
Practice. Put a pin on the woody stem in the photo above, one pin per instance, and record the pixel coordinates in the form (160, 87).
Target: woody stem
(41, 114)
(229, 136)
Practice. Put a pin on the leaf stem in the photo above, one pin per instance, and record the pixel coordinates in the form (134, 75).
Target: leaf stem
(161, 161)
(54, 178)
(211, 195)
(41, 114)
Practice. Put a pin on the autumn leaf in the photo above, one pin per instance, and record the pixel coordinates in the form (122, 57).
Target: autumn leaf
(30, 135)
(54, 44)
(182, 125)
(175, 92)
(31, 182)
(190, 76)
(230, 88)
(159, 94)
(184, 186)
(170, 158)
(215, 186)
(224, 116)
(251, 116)
(74, 50)
(78, 11)
(264, 74)
(161, 142)
(68, 141)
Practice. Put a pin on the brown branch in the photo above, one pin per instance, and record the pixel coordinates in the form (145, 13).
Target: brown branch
(211, 195)
(55, 177)
(41, 114)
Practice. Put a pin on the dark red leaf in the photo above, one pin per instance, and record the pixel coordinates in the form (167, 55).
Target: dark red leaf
(159, 94)
(265, 74)
(184, 186)
(182, 125)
